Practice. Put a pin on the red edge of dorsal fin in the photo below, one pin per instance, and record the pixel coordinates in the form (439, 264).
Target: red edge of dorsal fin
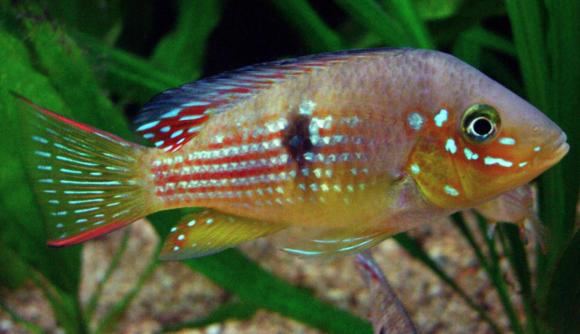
(175, 116)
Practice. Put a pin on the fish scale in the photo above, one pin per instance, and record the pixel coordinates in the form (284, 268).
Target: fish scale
(333, 152)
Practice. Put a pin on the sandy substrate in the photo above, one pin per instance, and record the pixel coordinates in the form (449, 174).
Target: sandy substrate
(174, 293)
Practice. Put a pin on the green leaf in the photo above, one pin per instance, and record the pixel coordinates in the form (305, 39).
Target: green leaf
(14, 270)
(437, 9)
(314, 31)
(98, 18)
(237, 274)
(66, 67)
(470, 14)
(516, 254)
(563, 298)
(415, 250)
(22, 229)
(126, 74)
(494, 272)
(371, 15)
(413, 23)
(563, 37)
(182, 51)
(227, 311)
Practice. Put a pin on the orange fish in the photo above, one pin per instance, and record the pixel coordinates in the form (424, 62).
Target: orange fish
(340, 150)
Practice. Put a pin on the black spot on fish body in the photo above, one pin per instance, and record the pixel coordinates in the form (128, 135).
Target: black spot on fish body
(297, 139)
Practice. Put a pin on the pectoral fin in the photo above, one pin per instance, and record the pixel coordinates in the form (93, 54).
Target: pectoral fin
(209, 232)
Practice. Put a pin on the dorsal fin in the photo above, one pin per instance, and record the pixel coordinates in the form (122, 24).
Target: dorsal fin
(175, 116)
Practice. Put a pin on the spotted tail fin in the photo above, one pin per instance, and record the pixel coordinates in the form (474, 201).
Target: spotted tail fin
(87, 181)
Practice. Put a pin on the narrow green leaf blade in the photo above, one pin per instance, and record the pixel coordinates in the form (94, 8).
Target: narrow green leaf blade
(316, 34)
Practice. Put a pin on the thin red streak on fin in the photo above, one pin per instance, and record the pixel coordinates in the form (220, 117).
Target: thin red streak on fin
(82, 237)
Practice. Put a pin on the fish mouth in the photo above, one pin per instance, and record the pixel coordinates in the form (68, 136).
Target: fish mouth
(555, 150)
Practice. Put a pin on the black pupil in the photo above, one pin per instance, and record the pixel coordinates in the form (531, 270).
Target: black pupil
(482, 127)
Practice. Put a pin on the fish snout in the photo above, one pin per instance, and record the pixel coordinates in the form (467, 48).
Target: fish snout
(552, 151)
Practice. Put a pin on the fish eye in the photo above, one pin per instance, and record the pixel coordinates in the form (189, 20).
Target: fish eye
(480, 123)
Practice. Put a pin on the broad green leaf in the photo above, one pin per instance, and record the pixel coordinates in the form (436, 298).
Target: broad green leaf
(237, 274)
(226, 311)
(182, 51)
(72, 76)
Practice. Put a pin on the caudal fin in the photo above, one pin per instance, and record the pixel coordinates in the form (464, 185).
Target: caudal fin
(86, 181)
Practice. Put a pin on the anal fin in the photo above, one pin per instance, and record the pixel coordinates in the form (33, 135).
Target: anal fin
(208, 232)
(332, 242)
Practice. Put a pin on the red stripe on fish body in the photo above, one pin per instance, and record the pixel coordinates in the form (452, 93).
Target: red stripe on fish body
(353, 148)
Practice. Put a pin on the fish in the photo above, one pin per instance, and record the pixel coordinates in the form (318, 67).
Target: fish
(332, 153)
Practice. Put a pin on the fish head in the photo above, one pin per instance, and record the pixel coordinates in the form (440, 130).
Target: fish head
(479, 140)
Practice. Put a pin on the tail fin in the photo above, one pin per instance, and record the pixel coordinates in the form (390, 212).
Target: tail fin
(86, 180)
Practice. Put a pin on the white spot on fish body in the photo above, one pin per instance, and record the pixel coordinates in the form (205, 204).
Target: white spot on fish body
(537, 149)
(307, 107)
(172, 113)
(195, 104)
(450, 146)
(191, 223)
(507, 141)
(497, 161)
(147, 126)
(165, 129)
(469, 154)
(415, 169)
(175, 248)
(449, 190)
(523, 164)
(441, 117)
(176, 133)
(159, 143)
(209, 221)
(181, 237)
(415, 121)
